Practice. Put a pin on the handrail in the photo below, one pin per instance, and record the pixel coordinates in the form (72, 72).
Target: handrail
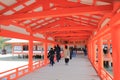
(22, 70)
(19, 71)
(12, 69)
(105, 74)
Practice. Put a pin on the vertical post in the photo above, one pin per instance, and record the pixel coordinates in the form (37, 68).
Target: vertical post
(94, 52)
(116, 5)
(30, 47)
(108, 43)
(88, 51)
(17, 73)
(45, 50)
(100, 56)
(89, 54)
(109, 55)
(116, 51)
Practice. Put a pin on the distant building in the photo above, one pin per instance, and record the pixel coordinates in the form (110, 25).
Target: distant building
(20, 46)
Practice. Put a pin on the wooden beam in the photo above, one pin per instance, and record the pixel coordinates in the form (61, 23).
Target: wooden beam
(71, 34)
(40, 24)
(62, 23)
(2, 4)
(71, 38)
(94, 2)
(115, 20)
(68, 32)
(48, 26)
(83, 16)
(13, 6)
(82, 36)
(67, 4)
(76, 32)
(72, 28)
(11, 34)
(109, 1)
(31, 7)
(87, 22)
(58, 13)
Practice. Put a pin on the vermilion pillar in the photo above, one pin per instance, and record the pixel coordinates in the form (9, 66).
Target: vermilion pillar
(30, 52)
(89, 54)
(45, 51)
(92, 54)
(109, 55)
(108, 43)
(90, 50)
(94, 51)
(116, 51)
(100, 56)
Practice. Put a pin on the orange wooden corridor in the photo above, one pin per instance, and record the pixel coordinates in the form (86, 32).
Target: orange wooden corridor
(79, 68)
(78, 22)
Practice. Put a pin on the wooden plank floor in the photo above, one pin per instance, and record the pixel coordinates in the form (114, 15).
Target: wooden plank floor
(79, 68)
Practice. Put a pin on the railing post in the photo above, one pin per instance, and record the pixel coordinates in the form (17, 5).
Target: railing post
(100, 56)
(94, 52)
(17, 75)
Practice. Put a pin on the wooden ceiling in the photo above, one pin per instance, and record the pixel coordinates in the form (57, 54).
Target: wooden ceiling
(64, 20)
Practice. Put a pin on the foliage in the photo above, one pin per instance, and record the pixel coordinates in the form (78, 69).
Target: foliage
(2, 42)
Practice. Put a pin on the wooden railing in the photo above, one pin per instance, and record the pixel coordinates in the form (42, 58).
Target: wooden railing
(15, 73)
(21, 71)
(105, 75)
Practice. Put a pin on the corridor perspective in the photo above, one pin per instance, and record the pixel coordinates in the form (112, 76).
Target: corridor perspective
(79, 68)
(30, 29)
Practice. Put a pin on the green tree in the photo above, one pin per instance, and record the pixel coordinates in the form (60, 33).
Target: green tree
(2, 44)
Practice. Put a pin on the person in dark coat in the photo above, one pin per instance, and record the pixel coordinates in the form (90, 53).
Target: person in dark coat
(105, 51)
(85, 51)
(71, 52)
(3, 51)
(74, 51)
(51, 54)
(58, 55)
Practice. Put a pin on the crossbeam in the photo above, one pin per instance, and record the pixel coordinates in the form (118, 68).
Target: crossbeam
(71, 34)
(11, 34)
(58, 13)
(72, 28)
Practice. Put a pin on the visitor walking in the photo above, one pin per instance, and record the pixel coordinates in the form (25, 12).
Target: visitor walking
(58, 55)
(66, 54)
(51, 56)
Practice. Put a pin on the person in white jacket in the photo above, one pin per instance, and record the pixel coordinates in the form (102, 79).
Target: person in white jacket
(66, 54)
